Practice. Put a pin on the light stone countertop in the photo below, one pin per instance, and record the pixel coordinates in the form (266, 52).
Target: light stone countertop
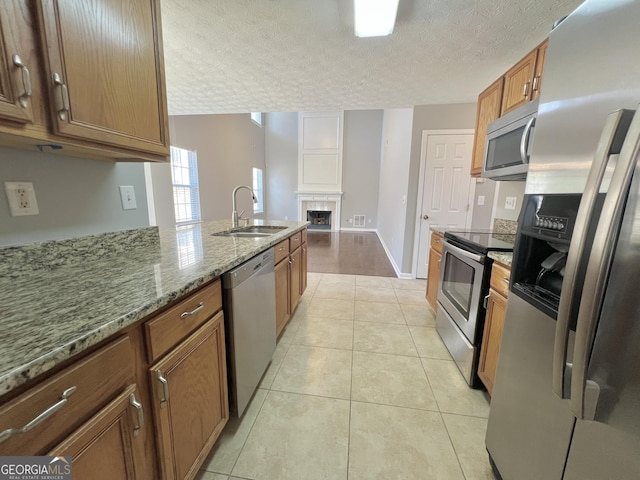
(505, 258)
(53, 307)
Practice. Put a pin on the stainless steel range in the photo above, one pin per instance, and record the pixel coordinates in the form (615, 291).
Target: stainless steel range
(464, 284)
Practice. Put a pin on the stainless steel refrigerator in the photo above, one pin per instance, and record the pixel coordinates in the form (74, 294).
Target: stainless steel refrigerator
(566, 401)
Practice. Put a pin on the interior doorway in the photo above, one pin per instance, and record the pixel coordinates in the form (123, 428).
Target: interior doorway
(445, 195)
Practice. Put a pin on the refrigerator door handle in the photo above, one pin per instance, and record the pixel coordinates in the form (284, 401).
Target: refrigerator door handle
(614, 131)
(584, 393)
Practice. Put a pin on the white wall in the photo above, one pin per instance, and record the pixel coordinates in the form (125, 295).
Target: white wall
(483, 214)
(361, 166)
(394, 181)
(228, 147)
(281, 157)
(75, 196)
(160, 194)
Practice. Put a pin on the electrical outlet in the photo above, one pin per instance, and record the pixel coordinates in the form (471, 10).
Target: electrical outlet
(480, 200)
(128, 197)
(22, 198)
(510, 203)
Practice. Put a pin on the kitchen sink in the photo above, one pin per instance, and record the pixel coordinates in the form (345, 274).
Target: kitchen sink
(254, 231)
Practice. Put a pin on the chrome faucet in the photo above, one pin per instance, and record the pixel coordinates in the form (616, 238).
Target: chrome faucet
(234, 214)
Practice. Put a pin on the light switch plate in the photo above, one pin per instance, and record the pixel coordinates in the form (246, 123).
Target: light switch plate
(480, 200)
(510, 203)
(128, 197)
(22, 198)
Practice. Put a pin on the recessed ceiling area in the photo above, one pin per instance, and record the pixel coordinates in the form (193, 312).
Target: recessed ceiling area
(237, 56)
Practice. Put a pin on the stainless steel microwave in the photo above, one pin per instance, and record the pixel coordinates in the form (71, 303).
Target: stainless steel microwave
(508, 144)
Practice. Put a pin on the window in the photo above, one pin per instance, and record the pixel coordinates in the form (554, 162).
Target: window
(257, 118)
(258, 189)
(184, 174)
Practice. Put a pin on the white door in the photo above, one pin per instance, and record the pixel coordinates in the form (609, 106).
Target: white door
(446, 184)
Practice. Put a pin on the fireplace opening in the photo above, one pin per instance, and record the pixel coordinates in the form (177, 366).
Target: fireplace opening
(320, 219)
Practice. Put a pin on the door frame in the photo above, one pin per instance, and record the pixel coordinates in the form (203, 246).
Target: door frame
(423, 166)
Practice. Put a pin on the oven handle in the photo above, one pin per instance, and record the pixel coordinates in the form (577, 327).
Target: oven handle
(464, 253)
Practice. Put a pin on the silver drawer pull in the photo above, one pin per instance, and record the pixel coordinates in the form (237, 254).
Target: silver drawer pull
(192, 312)
(61, 97)
(505, 280)
(40, 418)
(138, 406)
(26, 81)
(165, 388)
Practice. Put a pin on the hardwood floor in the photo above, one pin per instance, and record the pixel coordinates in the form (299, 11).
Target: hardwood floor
(347, 252)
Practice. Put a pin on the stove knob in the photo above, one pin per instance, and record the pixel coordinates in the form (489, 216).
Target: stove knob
(554, 225)
(537, 222)
(545, 223)
(560, 226)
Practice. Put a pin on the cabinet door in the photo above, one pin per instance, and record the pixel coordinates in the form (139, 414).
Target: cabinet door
(105, 72)
(106, 447)
(489, 103)
(491, 338)
(191, 407)
(295, 276)
(518, 83)
(303, 273)
(282, 295)
(433, 278)
(15, 57)
(537, 79)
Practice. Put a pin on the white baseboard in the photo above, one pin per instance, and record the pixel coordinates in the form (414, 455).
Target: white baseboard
(399, 274)
(369, 230)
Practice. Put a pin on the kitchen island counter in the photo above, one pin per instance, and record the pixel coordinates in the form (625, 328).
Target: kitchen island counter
(62, 297)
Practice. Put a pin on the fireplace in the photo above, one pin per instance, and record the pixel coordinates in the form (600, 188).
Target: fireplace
(320, 219)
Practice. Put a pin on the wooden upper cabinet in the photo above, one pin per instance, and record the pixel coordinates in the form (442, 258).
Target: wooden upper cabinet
(16, 57)
(489, 103)
(518, 83)
(537, 79)
(104, 71)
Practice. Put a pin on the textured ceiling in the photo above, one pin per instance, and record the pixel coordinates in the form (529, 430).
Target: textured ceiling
(230, 56)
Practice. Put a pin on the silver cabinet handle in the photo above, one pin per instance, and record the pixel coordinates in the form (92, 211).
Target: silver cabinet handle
(40, 418)
(486, 301)
(61, 97)
(525, 89)
(615, 129)
(505, 280)
(536, 80)
(26, 81)
(584, 392)
(192, 312)
(138, 406)
(165, 388)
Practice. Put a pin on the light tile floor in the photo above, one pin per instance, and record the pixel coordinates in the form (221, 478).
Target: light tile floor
(360, 388)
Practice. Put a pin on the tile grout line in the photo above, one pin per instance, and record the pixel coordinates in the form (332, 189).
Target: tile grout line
(453, 446)
(353, 340)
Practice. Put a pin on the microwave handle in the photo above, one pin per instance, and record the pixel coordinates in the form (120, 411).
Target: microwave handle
(524, 141)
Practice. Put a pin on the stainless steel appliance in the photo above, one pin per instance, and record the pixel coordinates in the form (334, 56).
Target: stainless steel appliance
(464, 283)
(250, 325)
(508, 145)
(566, 401)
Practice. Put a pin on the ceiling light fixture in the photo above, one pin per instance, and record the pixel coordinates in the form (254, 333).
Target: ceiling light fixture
(375, 18)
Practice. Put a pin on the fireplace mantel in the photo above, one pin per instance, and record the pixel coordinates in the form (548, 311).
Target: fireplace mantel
(330, 201)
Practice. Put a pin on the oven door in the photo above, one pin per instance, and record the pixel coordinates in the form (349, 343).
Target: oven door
(460, 290)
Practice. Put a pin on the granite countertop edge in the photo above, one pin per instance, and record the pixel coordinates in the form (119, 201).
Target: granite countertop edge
(25, 371)
(503, 258)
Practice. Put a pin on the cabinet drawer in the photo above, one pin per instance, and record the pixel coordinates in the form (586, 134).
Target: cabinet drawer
(436, 242)
(500, 279)
(295, 241)
(96, 378)
(168, 328)
(304, 235)
(281, 251)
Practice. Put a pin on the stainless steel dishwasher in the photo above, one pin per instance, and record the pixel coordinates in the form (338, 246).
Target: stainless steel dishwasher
(250, 325)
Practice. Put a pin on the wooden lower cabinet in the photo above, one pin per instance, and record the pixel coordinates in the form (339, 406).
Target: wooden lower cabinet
(189, 397)
(493, 325)
(433, 272)
(107, 446)
(283, 308)
(291, 278)
(295, 279)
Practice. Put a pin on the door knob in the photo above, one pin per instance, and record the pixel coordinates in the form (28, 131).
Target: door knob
(425, 217)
